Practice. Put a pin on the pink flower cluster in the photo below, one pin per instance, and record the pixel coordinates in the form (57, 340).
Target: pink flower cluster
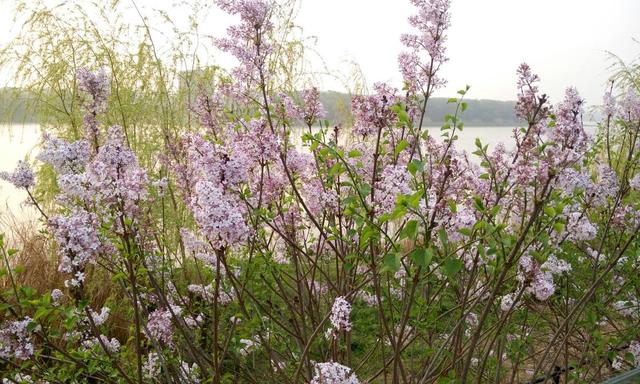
(419, 70)
(248, 42)
(372, 113)
(312, 108)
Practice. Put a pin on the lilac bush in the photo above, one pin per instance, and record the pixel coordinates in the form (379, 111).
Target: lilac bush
(372, 253)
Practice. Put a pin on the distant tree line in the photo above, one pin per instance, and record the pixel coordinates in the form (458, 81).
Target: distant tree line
(479, 112)
(17, 106)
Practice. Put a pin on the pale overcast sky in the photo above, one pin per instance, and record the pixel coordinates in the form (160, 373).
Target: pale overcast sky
(565, 41)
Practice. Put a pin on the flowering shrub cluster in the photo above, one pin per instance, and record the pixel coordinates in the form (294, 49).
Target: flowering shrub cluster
(375, 253)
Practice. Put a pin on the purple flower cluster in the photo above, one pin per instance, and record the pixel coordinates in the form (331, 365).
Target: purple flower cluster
(97, 86)
(313, 109)
(15, 340)
(115, 178)
(208, 111)
(419, 71)
(530, 106)
(372, 113)
(78, 242)
(333, 373)
(568, 135)
(341, 314)
(160, 327)
(112, 345)
(394, 181)
(258, 145)
(538, 279)
(247, 41)
(629, 106)
(219, 217)
(63, 156)
(21, 177)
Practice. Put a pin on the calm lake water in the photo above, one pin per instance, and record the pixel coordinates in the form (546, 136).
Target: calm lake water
(18, 142)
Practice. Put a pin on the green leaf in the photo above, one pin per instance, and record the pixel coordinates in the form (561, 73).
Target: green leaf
(41, 312)
(415, 166)
(558, 226)
(410, 230)
(391, 263)
(401, 146)
(464, 106)
(421, 256)
(451, 267)
(478, 204)
(354, 153)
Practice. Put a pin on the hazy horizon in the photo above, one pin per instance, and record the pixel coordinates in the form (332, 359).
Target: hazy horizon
(487, 40)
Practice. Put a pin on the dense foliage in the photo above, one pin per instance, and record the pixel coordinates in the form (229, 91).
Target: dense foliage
(369, 253)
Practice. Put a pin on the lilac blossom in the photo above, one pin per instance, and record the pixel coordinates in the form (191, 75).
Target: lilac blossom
(318, 198)
(63, 156)
(542, 285)
(634, 349)
(420, 65)
(247, 346)
(95, 85)
(340, 314)
(394, 181)
(529, 106)
(112, 345)
(258, 144)
(100, 318)
(208, 110)
(151, 367)
(218, 216)
(579, 227)
(160, 327)
(56, 296)
(372, 113)
(507, 302)
(556, 266)
(288, 109)
(312, 108)
(567, 136)
(198, 248)
(333, 373)
(115, 178)
(629, 106)
(21, 177)
(15, 339)
(78, 242)
(247, 41)
(207, 293)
